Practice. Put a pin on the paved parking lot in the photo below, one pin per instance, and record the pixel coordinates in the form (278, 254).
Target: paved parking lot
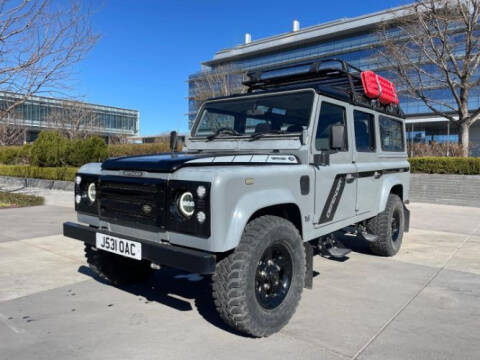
(422, 304)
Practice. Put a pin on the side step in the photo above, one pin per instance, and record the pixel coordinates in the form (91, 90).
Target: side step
(368, 237)
(331, 247)
(338, 252)
(361, 231)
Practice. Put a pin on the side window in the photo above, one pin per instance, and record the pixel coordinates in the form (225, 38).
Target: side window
(330, 114)
(391, 134)
(364, 131)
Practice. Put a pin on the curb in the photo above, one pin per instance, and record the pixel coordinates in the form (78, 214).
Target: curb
(37, 183)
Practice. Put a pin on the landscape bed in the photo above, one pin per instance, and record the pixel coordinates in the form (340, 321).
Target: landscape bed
(14, 200)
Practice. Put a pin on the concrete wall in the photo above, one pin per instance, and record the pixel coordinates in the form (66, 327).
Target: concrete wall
(446, 189)
(13, 182)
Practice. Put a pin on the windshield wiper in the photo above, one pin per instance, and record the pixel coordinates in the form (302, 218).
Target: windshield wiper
(223, 131)
(259, 135)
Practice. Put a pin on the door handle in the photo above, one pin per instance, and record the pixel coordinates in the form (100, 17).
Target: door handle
(349, 178)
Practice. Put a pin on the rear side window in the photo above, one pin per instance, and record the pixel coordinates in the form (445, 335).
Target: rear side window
(364, 131)
(391, 134)
(330, 114)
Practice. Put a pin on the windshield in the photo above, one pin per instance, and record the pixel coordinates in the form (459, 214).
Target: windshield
(281, 113)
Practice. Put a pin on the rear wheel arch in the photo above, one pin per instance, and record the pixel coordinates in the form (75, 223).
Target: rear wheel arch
(390, 186)
(397, 190)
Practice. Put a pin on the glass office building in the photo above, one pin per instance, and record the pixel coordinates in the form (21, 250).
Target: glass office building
(352, 40)
(39, 113)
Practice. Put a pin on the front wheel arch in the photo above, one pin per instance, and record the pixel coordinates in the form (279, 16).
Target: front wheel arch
(289, 211)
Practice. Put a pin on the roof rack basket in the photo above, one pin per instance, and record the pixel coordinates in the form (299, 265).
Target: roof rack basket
(329, 75)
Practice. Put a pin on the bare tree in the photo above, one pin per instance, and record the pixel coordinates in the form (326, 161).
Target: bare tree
(222, 80)
(74, 119)
(434, 52)
(40, 41)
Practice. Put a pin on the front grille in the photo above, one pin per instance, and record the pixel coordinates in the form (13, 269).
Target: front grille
(135, 202)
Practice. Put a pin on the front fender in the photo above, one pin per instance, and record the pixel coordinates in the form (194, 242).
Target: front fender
(246, 206)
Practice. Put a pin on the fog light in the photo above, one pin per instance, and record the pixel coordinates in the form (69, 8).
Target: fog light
(201, 191)
(78, 199)
(201, 217)
(92, 192)
(78, 180)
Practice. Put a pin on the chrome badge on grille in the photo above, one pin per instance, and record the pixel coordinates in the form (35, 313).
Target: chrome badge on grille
(132, 173)
(147, 209)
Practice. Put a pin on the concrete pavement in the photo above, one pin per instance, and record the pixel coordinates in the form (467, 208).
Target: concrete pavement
(421, 304)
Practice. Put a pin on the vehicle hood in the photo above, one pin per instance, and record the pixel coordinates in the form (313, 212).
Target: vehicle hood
(171, 162)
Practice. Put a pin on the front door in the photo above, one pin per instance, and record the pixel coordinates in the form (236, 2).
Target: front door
(335, 183)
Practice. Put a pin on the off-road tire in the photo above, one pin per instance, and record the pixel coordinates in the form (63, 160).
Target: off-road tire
(117, 269)
(381, 225)
(234, 279)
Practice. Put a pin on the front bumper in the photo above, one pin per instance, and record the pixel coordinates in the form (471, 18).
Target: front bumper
(190, 260)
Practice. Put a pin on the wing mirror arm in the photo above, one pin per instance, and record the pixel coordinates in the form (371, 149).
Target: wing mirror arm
(173, 141)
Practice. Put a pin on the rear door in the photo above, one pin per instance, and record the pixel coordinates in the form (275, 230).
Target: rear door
(366, 160)
(335, 183)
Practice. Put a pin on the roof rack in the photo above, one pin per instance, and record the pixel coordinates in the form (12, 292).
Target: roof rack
(327, 75)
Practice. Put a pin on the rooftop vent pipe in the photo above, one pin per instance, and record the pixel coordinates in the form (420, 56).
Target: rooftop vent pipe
(296, 25)
(248, 38)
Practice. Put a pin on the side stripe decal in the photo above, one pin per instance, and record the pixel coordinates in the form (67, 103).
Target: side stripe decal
(333, 199)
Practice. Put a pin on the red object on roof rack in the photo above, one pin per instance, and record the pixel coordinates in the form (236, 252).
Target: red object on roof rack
(377, 87)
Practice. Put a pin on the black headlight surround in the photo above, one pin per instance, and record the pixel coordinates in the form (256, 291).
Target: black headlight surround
(178, 222)
(86, 206)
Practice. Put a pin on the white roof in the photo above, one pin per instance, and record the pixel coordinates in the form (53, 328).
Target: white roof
(321, 31)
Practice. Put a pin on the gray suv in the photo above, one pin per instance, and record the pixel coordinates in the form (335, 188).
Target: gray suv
(266, 180)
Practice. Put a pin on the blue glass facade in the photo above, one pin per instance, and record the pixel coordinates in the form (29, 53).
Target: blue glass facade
(357, 45)
(38, 112)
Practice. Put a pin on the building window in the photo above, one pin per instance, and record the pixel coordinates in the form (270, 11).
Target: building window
(391, 134)
(330, 115)
(364, 131)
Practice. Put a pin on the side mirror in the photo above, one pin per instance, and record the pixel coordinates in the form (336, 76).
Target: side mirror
(304, 137)
(337, 137)
(173, 141)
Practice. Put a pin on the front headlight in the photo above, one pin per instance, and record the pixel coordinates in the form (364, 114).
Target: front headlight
(186, 204)
(86, 193)
(92, 192)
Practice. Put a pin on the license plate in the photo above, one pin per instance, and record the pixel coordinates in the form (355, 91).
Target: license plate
(128, 248)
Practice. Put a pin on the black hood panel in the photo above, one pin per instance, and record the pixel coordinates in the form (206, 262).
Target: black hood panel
(169, 162)
(152, 163)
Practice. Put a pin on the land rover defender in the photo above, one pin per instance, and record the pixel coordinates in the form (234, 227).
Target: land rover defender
(265, 180)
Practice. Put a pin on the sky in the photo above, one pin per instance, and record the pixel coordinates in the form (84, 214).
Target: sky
(148, 48)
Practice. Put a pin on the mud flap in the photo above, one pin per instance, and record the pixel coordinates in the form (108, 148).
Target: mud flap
(309, 265)
(406, 212)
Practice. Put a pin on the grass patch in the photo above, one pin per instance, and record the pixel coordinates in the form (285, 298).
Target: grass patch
(13, 200)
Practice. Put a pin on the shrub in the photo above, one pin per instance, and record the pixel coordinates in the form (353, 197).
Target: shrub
(49, 173)
(50, 149)
(138, 149)
(92, 149)
(12, 155)
(445, 165)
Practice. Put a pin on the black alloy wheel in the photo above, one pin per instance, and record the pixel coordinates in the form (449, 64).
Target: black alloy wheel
(273, 276)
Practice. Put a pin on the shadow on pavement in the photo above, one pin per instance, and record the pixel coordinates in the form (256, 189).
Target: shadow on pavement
(167, 285)
(167, 282)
